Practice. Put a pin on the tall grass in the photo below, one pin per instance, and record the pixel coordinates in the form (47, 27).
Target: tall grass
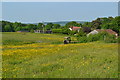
(49, 60)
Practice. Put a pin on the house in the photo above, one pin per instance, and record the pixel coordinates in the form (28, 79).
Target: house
(109, 31)
(74, 28)
(40, 31)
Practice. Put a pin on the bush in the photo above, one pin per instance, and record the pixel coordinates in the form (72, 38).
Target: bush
(82, 39)
(32, 31)
(57, 30)
(118, 39)
(81, 33)
(111, 39)
(91, 38)
(73, 32)
(65, 31)
(103, 36)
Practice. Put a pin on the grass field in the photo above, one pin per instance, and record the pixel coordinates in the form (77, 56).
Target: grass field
(32, 55)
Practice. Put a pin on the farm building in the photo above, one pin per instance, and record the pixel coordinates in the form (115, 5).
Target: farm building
(40, 31)
(86, 29)
(74, 28)
(110, 31)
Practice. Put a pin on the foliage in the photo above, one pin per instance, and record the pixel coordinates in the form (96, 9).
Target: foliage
(73, 23)
(66, 31)
(81, 33)
(32, 30)
(49, 26)
(72, 32)
(57, 30)
(56, 26)
(40, 26)
(111, 39)
(8, 28)
(99, 23)
(82, 39)
(102, 36)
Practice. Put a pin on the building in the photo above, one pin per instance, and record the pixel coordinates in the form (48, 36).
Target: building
(109, 31)
(86, 29)
(40, 31)
(74, 28)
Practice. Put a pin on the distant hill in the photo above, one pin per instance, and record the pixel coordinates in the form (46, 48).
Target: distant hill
(62, 23)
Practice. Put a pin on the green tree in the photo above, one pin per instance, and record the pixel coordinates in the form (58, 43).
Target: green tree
(32, 30)
(18, 29)
(49, 26)
(8, 28)
(40, 26)
(31, 26)
(56, 26)
(81, 33)
(73, 23)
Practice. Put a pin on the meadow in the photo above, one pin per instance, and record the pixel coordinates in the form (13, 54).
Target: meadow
(32, 55)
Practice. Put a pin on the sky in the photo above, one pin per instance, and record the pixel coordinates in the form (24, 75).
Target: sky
(60, 0)
(34, 12)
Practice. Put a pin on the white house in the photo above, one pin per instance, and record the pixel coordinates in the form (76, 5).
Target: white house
(93, 32)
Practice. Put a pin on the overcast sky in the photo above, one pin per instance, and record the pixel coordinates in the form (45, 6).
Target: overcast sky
(33, 12)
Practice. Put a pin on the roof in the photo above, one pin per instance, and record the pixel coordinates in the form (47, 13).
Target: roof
(74, 28)
(110, 31)
(87, 29)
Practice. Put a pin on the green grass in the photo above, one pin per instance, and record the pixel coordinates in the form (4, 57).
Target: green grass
(28, 38)
(50, 58)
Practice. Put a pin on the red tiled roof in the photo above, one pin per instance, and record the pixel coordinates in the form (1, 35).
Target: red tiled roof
(74, 28)
(110, 31)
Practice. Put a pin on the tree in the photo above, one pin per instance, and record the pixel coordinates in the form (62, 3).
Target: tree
(87, 24)
(49, 26)
(56, 26)
(32, 31)
(72, 23)
(15, 25)
(31, 26)
(96, 23)
(40, 26)
(8, 28)
(66, 31)
(18, 29)
(81, 33)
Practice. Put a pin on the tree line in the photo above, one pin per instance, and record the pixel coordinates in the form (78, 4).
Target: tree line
(100, 23)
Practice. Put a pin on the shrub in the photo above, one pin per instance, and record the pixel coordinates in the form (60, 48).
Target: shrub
(118, 39)
(82, 39)
(73, 32)
(57, 30)
(65, 31)
(103, 36)
(81, 33)
(32, 31)
(111, 39)
(94, 37)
